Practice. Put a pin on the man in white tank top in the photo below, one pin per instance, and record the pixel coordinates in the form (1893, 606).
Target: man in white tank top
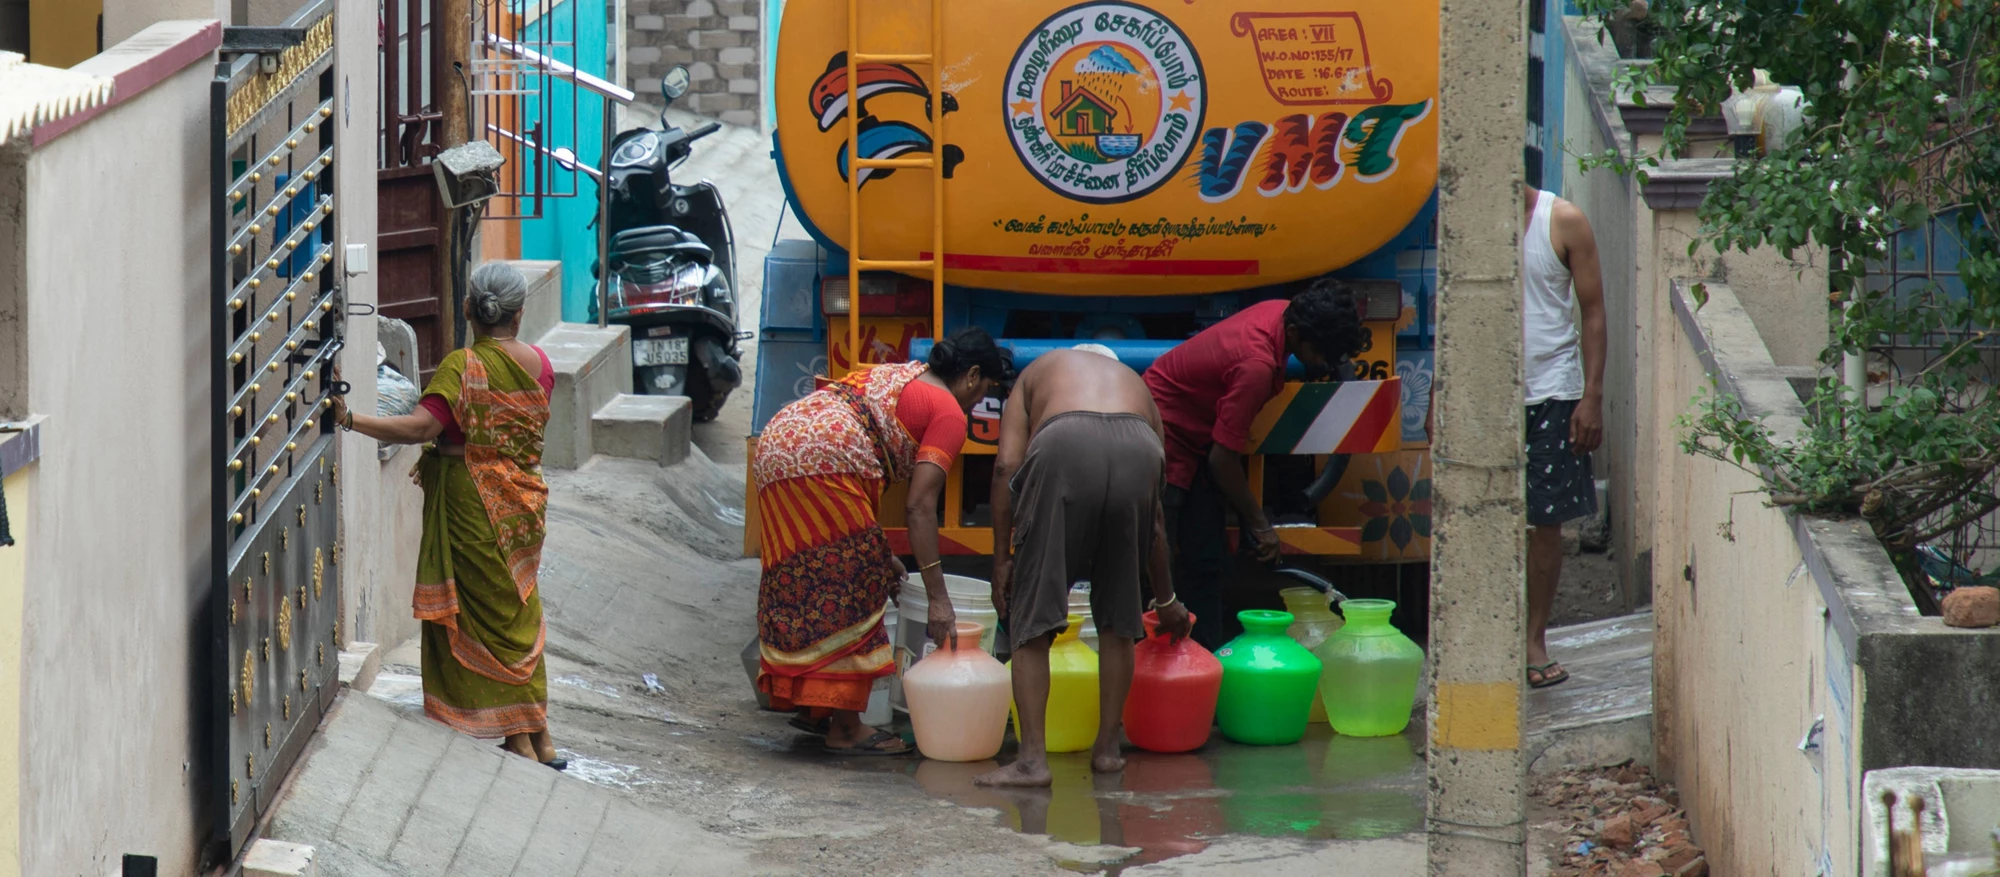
(1563, 378)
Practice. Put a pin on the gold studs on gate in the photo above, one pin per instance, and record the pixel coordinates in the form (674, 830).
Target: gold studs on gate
(249, 678)
(288, 708)
(319, 577)
(250, 767)
(232, 700)
(302, 514)
(247, 589)
(321, 649)
(284, 538)
(267, 650)
(267, 735)
(232, 793)
(302, 680)
(232, 611)
(284, 627)
(267, 563)
(319, 492)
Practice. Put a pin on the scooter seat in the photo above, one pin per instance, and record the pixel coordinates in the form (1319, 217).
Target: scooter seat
(651, 237)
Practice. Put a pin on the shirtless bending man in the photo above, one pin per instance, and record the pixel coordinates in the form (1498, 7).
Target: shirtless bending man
(1076, 493)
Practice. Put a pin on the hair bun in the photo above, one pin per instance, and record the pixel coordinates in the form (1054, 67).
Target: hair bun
(944, 356)
(486, 307)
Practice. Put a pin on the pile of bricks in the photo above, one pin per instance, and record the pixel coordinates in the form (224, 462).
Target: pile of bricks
(1619, 822)
(719, 42)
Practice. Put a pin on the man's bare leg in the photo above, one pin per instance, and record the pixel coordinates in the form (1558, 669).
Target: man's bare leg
(1031, 705)
(1545, 559)
(1115, 658)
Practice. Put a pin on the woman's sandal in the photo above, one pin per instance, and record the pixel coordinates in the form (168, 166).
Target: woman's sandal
(871, 746)
(811, 726)
(559, 763)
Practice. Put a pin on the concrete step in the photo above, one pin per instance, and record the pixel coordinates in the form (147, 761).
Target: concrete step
(544, 310)
(657, 428)
(593, 366)
(1604, 713)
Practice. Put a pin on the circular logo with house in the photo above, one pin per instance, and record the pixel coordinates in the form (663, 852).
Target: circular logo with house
(1104, 101)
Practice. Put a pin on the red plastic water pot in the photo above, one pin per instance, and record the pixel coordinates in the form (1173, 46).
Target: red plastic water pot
(1174, 687)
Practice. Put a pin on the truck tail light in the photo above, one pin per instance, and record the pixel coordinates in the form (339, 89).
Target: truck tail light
(882, 295)
(1379, 300)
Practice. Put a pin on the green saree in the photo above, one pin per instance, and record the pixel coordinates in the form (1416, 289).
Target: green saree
(484, 517)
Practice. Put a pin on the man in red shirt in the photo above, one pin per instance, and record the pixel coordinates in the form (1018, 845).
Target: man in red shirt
(1208, 390)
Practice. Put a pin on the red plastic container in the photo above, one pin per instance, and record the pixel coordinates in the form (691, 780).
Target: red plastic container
(1174, 686)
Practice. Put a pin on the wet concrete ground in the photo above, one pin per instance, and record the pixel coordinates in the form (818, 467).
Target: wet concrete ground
(1324, 788)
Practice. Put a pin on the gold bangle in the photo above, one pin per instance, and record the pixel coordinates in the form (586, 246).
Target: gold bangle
(931, 566)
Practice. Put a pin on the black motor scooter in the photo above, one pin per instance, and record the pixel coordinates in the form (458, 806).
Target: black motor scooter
(674, 255)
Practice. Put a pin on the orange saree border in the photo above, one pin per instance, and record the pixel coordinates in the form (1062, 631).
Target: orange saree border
(493, 721)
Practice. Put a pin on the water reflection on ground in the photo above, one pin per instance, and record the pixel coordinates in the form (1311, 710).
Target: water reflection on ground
(1326, 787)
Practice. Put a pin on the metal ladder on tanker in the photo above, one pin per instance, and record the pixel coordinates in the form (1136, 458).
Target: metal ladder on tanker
(856, 164)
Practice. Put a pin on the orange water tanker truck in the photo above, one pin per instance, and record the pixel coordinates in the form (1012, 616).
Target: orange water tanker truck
(1124, 173)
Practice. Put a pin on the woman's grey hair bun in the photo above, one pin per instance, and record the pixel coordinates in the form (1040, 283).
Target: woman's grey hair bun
(499, 291)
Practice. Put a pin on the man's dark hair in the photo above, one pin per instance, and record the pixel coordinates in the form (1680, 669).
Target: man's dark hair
(1327, 317)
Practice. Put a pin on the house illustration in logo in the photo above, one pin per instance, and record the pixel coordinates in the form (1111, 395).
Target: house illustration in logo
(1082, 113)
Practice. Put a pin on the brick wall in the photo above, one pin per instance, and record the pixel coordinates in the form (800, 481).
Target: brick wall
(716, 39)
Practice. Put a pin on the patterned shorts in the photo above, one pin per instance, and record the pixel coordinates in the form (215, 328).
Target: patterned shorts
(1561, 487)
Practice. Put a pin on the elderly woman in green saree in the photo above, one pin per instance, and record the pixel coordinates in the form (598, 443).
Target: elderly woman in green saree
(484, 517)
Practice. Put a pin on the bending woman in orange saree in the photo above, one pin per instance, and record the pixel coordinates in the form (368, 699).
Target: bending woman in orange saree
(484, 516)
(821, 465)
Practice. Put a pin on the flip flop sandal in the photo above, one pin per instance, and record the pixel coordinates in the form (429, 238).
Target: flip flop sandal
(558, 763)
(870, 747)
(1560, 675)
(811, 726)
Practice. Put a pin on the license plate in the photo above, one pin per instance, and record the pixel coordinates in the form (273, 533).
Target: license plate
(660, 351)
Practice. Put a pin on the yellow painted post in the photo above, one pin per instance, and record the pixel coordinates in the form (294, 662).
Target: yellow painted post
(853, 186)
(937, 170)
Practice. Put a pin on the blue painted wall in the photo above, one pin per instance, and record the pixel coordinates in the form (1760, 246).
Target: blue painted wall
(564, 231)
(1555, 89)
(774, 10)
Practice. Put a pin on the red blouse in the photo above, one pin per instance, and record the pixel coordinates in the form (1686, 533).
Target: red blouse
(931, 413)
(441, 409)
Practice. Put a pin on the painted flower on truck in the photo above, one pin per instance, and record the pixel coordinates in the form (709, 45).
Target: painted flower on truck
(1397, 508)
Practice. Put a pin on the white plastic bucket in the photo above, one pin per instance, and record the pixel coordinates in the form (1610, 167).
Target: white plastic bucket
(971, 598)
(1079, 604)
(878, 712)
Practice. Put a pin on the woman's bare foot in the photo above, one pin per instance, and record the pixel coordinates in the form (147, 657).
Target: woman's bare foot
(520, 744)
(1022, 774)
(845, 730)
(1106, 761)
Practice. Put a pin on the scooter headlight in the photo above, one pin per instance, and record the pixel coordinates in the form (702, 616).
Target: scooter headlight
(636, 151)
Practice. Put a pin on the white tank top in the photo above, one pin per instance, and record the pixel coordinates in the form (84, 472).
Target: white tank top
(1551, 362)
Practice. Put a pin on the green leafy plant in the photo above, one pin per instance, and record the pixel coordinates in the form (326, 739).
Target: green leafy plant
(1902, 135)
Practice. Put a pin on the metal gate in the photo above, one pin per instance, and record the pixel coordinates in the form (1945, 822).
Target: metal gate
(276, 328)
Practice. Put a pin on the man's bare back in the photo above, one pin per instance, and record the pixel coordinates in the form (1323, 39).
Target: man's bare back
(1076, 380)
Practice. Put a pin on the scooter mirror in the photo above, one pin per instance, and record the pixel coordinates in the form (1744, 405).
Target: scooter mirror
(675, 83)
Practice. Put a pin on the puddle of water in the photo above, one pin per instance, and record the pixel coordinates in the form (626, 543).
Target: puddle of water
(1326, 787)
